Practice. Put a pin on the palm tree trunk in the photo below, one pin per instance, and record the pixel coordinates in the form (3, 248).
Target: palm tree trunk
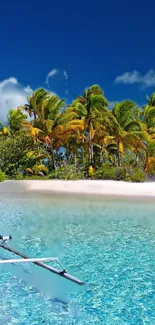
(67, 155)
(53, 157)
(37, 143)
(137, 160)
(83, 154)
(115, 161)
(75, 159)
(83, 151)
(57, 158)
(91, 153)
(53, 161)
(35, 116)
(90, 156)
(101, 154)
(146, 165)
(118, 156)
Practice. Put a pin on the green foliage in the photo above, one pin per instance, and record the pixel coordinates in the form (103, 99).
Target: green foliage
(15, 119)
(13, 153)
(152, 172)
(105, 172)
(127, 177)
(2, 176)
(138, 176)
(67, 173)
(111, 173)
(17, 176)
(120, 173)
(35, 177)
(88, 131)
(12, 170)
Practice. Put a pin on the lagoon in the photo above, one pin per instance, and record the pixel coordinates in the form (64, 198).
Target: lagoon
(109, 243)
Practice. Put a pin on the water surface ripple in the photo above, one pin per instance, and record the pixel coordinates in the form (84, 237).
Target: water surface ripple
(108, 244)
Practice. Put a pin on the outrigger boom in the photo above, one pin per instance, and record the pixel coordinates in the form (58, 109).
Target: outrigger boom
(28, 260)
(37, 261)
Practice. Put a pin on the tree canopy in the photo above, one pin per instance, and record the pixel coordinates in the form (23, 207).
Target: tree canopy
(86, 134)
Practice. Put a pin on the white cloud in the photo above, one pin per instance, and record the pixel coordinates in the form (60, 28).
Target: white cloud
(51, 74)
(66, 81)
(54, 72)
(134, 77)
(65, 75)
(129, 77)
(12, 95)
(28, 89)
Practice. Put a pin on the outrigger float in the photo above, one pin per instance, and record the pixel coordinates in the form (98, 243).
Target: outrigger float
(37, 261)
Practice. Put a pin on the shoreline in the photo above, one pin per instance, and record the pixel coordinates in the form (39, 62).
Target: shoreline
(102, 188)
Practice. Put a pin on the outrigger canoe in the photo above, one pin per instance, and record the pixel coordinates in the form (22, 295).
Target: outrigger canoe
(62, 272)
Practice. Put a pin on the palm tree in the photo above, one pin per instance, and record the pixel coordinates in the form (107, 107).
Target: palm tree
(90, 106)
(15, 119)
(32, 130)
(149, 163)
(58, 135)
(34, 101)
(149, 114)
(103, 127)
(73, 137)
(48, 111)
(48, 119)
(126, 127)
(149, 121)
(55, 124)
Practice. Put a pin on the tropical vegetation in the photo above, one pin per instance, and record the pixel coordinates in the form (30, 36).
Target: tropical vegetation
(46, 138)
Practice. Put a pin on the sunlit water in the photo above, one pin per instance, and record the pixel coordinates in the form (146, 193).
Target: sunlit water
(109, 244)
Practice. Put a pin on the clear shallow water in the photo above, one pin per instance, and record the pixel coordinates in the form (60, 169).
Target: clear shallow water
(108, 244)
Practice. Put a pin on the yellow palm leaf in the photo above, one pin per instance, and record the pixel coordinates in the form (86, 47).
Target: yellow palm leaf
(109, 140)
(150, 163)
(121, 148)
(92, 133)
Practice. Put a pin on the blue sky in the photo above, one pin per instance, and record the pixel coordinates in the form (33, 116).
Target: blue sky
(111, 43)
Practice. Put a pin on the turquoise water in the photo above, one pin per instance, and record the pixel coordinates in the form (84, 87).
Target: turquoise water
(109, 244)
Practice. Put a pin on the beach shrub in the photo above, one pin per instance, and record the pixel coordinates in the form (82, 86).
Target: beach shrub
(36, 177)
(120, 173)
(11, 171)
(18, 176)
(105, 172)
(138, 176)
(68, 172)
(2, 176)
(40, 169)
(128, 177)
(12, 153)
(112, 173)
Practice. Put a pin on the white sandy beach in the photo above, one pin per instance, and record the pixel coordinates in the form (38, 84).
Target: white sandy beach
(109, 188)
